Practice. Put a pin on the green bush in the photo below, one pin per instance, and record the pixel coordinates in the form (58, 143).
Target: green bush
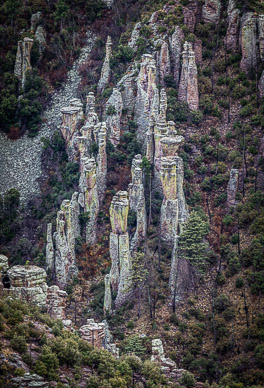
(19, 344)
(187, 380)
(221, 303)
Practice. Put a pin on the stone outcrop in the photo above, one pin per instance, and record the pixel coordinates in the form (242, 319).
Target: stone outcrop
(28, 283)
(163, 61)
(175, 49)
(101, 160)
(147, 99)
(232, 187)
(190, 15)
(107, 295)
(232, 33)
(168, 366)
(49, 248)
(126, 86)
(114, 107)
(261, 36)
(105, 73)
(198, 51)
(35, 21)
(109, 3)
(88, 197)
(211, 11)
(23, 61)
(120, 272)
(94, 333)
(188, 87)
(72, 117)
(30, 381)
(56, 302)
(40, 36)
(248, 42)
(261, 85)
(137, 202)
(67, 229)
(3, 263)
(134, 36)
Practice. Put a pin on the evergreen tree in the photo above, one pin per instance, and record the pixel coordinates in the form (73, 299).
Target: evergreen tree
(191, 241)
(139, 277)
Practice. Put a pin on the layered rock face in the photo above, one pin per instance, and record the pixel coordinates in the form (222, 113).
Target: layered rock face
(56, 302)
(147, 100)
(94, 333)
(188, 87)
(232, 187)
(106, 66)
(176, 48)
(137, 202)
(67, 229)
(88, 197)
(119, 248)
(23, 63)
(248, 42)
(231, 39)
(28, 283)
(211, 11)
(114, 108)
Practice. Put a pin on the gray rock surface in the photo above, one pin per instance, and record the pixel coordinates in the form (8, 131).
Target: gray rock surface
(20, 160)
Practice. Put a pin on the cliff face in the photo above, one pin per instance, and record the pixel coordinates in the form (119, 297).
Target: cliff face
(148, 167)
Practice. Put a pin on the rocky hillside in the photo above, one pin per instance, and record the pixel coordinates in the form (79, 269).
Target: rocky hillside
(132, 203)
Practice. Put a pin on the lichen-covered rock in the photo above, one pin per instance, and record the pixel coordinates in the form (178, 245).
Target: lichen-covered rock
(211, 11)
(188, 88)
(134, 36)
(107, 295)
(147, 99)
(71, 119)
(28, 283)
(126, 86)
(101, 171)
(163, 61)
(56, 302)
(125, 266)
(176, 48)
(114, 255)
(49, 249)
(189, 14)
(23, 60)
(35, 20)
(137, 201)
(67, 230)
(106, 66)
(30, 381)
(261, 85)
(248, 42)
(114, 107)
(40, 35)
(3, 263)
(119, 212)
(88, 197)
(232, 33)
(232, 187)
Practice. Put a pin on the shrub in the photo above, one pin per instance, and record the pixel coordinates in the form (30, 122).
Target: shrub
(221, 303)
(111, 110)
(19, 344)
(239, 283)
(259, 355)
(187, 380)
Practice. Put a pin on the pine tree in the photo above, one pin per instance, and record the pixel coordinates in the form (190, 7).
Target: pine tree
(191, 241)
(139, 277)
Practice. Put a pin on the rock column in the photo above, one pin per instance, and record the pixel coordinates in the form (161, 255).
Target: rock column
(248, 42)
(114, 108)
(188, 88)
(106, 67)
(23, 63)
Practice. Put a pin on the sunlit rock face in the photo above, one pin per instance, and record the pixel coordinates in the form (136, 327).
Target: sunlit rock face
(232, 33)
(147, 99)
(248, 42)
(107, 295)
(105, 73)
(188, 87)
(114, 107)
(119, 248)
(211, 11)
(137, 202)
(23, 62)
(28, 283)
(163, 61)
(67, 230)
